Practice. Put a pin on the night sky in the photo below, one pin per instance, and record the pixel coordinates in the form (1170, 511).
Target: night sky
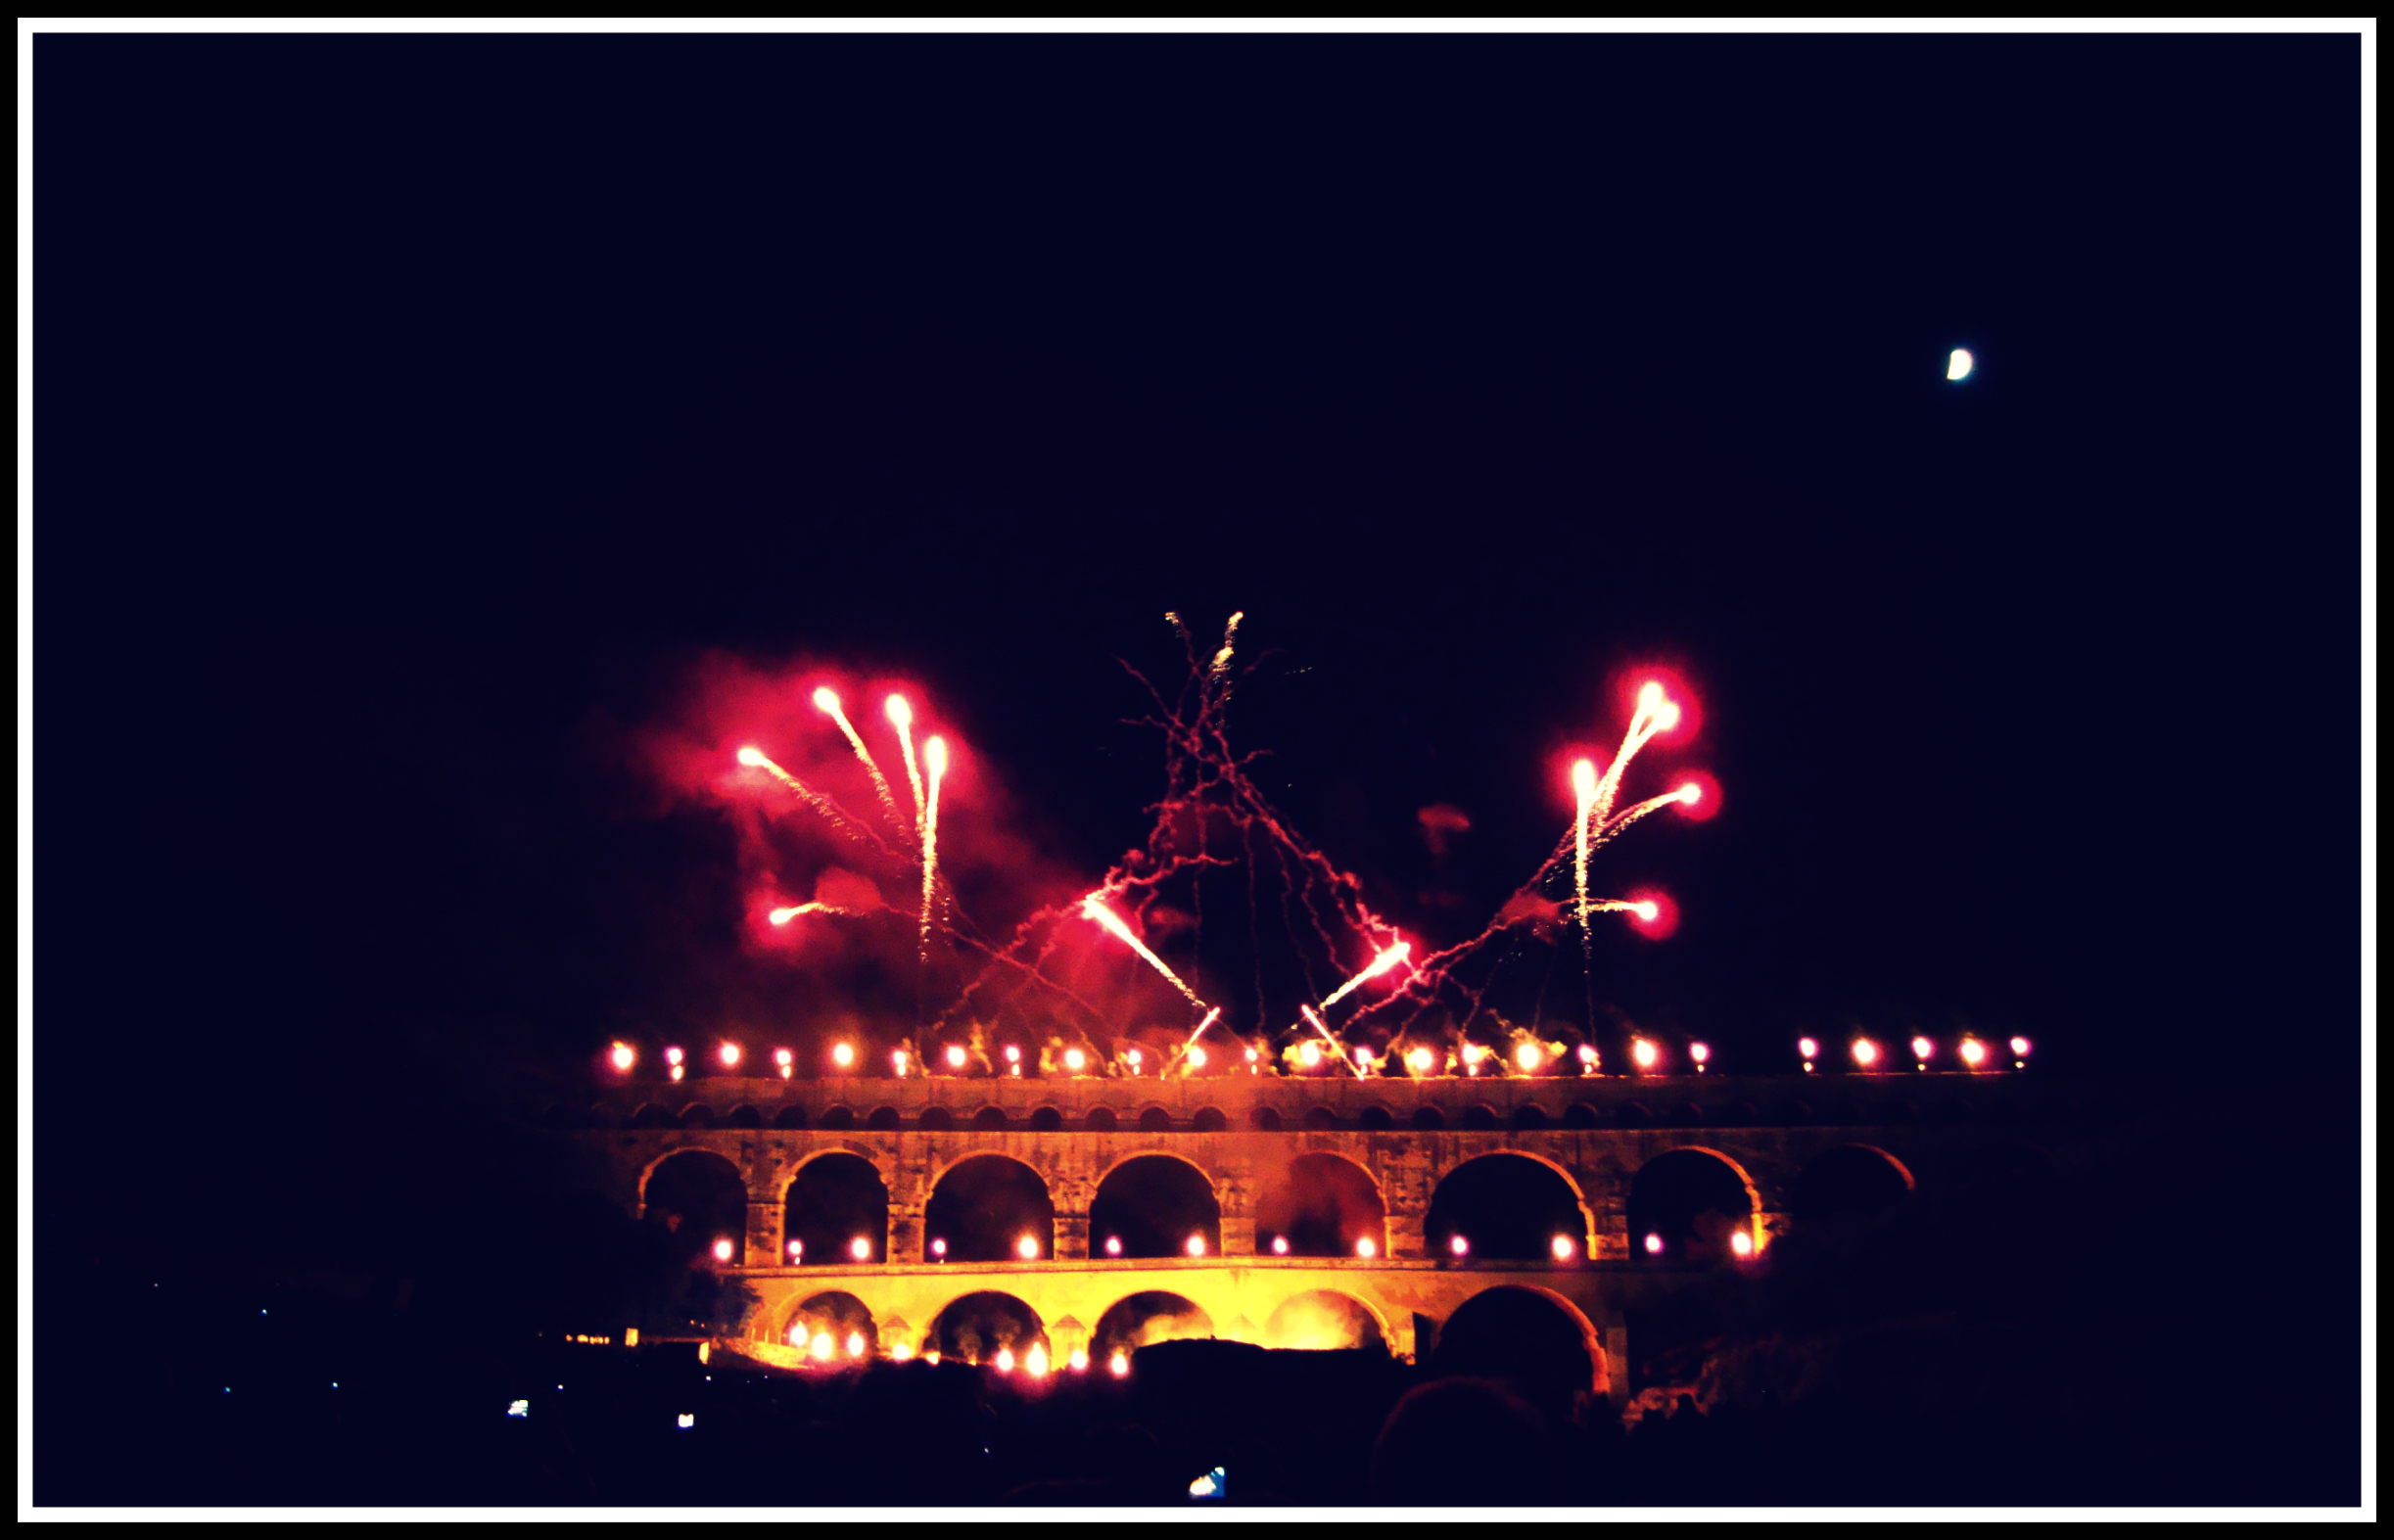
(413, 415)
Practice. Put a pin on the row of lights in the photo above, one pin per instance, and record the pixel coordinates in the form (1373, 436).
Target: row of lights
(1027, 1248)
(1869, 1056)
(1644, 1053)
(822, 1349)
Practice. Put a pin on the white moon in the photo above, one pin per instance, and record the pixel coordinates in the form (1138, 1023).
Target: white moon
(1959, 367)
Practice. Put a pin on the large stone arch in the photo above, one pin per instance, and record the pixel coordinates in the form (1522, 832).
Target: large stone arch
(1570, 1177)
(882, 1161)
(962, 1232)
(1591, 1340)
(1157, 1146)
(1752, 1227)
(1281, 1213)
(649, 1170)
(1377, 1310)
(1180, 1202)
(1039, 1161)
(939, 1321)
(1590, 1230)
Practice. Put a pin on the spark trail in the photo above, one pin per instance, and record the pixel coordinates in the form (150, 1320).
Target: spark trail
(1096, 911)
(827, 700)
(789, 913)
(831, 811)
(935, 755)
(902, 718)
(1378, 965)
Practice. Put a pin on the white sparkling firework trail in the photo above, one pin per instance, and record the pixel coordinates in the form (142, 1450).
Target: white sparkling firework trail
(1211, 1017)
(1229, 636)
(1336, 1049)
(756, 760)
(1378, 965)
(825, 700)
(1096, 911)
(935, 752)
(1655, 714)
(783, 916)
(1583, 784)
(902, 718)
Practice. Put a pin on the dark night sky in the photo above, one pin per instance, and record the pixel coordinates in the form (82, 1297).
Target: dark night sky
(412, 412)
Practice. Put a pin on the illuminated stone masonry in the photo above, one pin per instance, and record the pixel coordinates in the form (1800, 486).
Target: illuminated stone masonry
(1240, 1134)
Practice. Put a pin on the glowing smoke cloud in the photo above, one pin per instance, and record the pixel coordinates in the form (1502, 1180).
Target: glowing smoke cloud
(828, 701)
(902, 718)
(1106, 917)
(935, 751)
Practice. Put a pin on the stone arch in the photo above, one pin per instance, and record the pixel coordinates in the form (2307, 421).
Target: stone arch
(1375, 1117)
(1478, 1118)
(837, 1118)
(1507, 1207)
(1264, 1120)
(1672, 1205)
(1100, 1120)
(983, 1204)
(1164, 1151)
(993, 1318)
(832, 1200)
(1150, 1314)
(1208, 1120)
(989, 1120)
(1309, 1316)
(700, 1199)
(650, 1115)
(1427, 1118)
(792, 1116)
(1528, 1115)
(1849, 1180)
(835, 1317)
(1321, 1204)
(697, 1115)
(1155, 1120)
(1047, 1120)
(1319, 1120)
(745, 1115)
(1152, 1205)
(1580, 1115)
(1472, 1343)
(935, 1120)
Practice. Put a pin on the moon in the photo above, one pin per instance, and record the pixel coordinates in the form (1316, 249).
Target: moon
(1957, 367)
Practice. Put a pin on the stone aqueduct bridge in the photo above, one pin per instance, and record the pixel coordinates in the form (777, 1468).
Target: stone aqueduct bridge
(1240, 1134)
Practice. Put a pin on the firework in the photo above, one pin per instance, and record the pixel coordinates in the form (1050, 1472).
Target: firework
(902, 718)
(828, 702)
(1380, 965)
(1335, 1051)
(755, 759)
(1189, 1050)
(1095, 909)
(790, 912)
(1583, 784)
(935, 756)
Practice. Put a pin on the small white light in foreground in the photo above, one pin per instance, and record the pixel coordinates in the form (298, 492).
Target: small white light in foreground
(955, 1058)
(622, 1057)
(783, 1057)
(1196, 1058)
(1027, 1248)
(1074, 1058)
(855, 1345)
(673, 1055)
(860, 1250)
(750, 757)
(842, 1055)
(1865, 1053)
(1957, 367)
(1564, 1248)
(729, 1054)
(1113, 1245)
(1653, 1245)
(1079, 1360)
(1459, 1246)
(1006, 1361)
(902, 1351)
(1280, 1245)
(1644, 1053)
(1922, 1048)
(1974, 1053)
(722, 1251)
(1133, 1057)
(1700, 1052)
(2019, 1048)
(1035, 1362)
(1419, 1060)
(1527, 1055)
(939, 1248)
(1588, 1054)
(1741, 1243)
(1207, 1485)
(686, 1420)
(1367, 1248)
(519, 1409)
(1013, 1054)
(1119, 1365)
(1197, 1246)
(1807, 1048)
(1309, 1054)
(820, 1347)
(797, 1249)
